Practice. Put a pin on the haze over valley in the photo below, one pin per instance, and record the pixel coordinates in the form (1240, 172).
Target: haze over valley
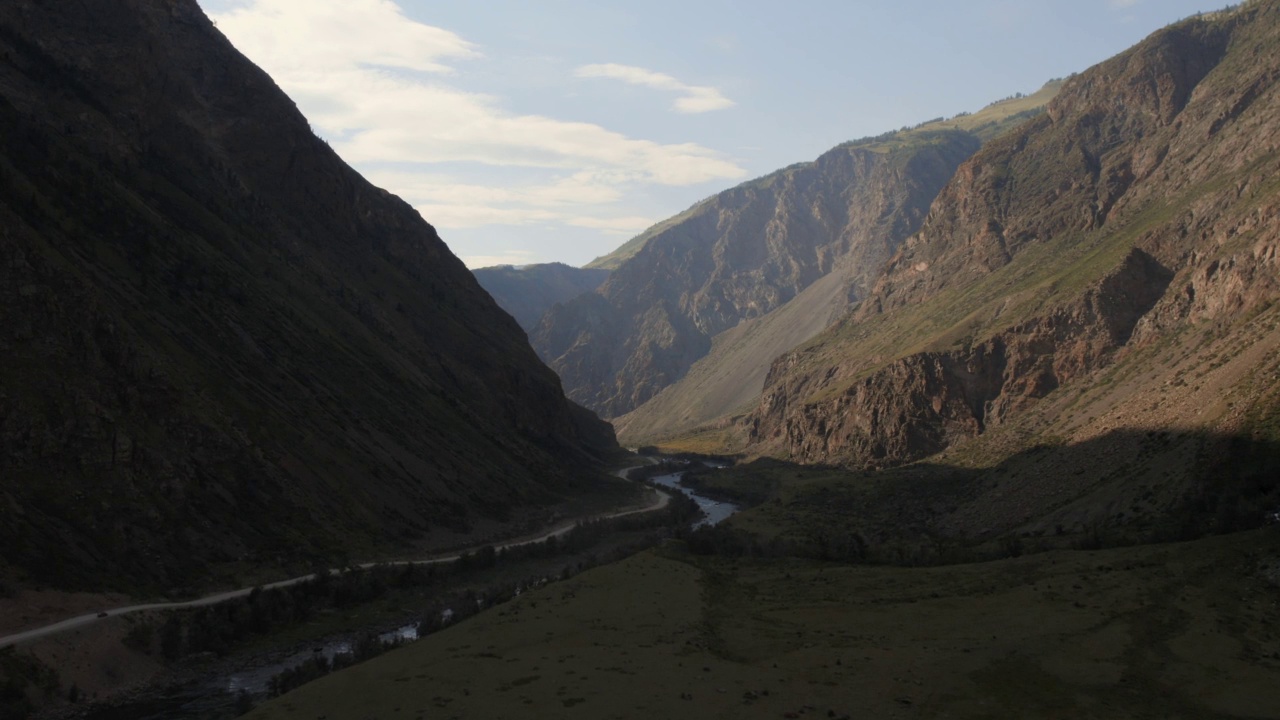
(975, 417)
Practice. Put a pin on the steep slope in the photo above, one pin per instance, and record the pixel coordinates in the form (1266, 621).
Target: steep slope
(1139, 211)
(627, 250)
(989, 122)
(220, 343)
(529, 291)
(740, 255)
(726, 383)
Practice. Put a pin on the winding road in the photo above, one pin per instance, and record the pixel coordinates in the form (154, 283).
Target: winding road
(661, 500)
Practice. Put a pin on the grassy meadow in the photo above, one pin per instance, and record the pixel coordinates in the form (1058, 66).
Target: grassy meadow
(1186, 630)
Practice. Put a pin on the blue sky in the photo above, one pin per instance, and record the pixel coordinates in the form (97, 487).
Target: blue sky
(556, 130)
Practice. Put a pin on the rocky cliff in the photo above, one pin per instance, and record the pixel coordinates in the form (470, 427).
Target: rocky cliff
(738, 256)
(920, 404)
(220, 343)
(1139, 210)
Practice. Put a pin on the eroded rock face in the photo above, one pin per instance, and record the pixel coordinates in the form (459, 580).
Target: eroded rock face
(1101, 149)
(922, 403)
(740, 255)
(219, 341)
(1149, 172)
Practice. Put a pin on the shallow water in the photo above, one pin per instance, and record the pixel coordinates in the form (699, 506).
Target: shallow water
(215, 698)
(716, 510)
(256, 680)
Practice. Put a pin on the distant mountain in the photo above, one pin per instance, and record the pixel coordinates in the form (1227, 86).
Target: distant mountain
(738, 256)
(220, 343)
(528, 291)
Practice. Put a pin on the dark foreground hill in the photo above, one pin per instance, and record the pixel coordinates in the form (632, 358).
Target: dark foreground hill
(219, 342)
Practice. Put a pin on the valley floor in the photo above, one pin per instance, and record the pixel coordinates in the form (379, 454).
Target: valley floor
(1186, 630)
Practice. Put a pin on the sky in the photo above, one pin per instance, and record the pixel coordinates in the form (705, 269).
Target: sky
(556, 130)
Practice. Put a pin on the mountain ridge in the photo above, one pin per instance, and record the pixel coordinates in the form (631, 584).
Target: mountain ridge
(1145, 172)
(737, 256)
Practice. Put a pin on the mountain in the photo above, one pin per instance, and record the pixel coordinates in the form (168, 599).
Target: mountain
(528, 291)
(726, 383)
(1073, 364)
(1135, 211)
(697, 306)
(740, 255)
(1084, 332)
(987, 123)
(221, 344)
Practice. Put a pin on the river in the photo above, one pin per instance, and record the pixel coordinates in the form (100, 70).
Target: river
(715, 511)
(215, 697)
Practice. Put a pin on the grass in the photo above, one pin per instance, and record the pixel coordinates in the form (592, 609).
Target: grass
(1002, 109)
(989, 122)
(1152, 631)
(708, 441)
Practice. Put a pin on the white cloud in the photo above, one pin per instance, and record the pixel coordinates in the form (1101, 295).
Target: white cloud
(464, 215)
(693, 98)
(306, 36)
(383, 88)
(583, 189)
(584, 199)
(630, 225)
(513, 257)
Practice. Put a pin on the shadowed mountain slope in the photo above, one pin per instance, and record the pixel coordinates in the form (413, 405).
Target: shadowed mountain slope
(221, 343)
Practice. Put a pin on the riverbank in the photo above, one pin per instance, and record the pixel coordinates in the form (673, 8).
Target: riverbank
(207, 685)
(64, 624)
(123, 657)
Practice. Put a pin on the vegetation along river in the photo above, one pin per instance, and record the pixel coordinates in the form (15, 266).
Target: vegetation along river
(224, 694)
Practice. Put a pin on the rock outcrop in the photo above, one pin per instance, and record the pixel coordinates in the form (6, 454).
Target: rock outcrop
(920, 404)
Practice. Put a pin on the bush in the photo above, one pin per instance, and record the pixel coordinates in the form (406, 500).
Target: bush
(139, 637)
